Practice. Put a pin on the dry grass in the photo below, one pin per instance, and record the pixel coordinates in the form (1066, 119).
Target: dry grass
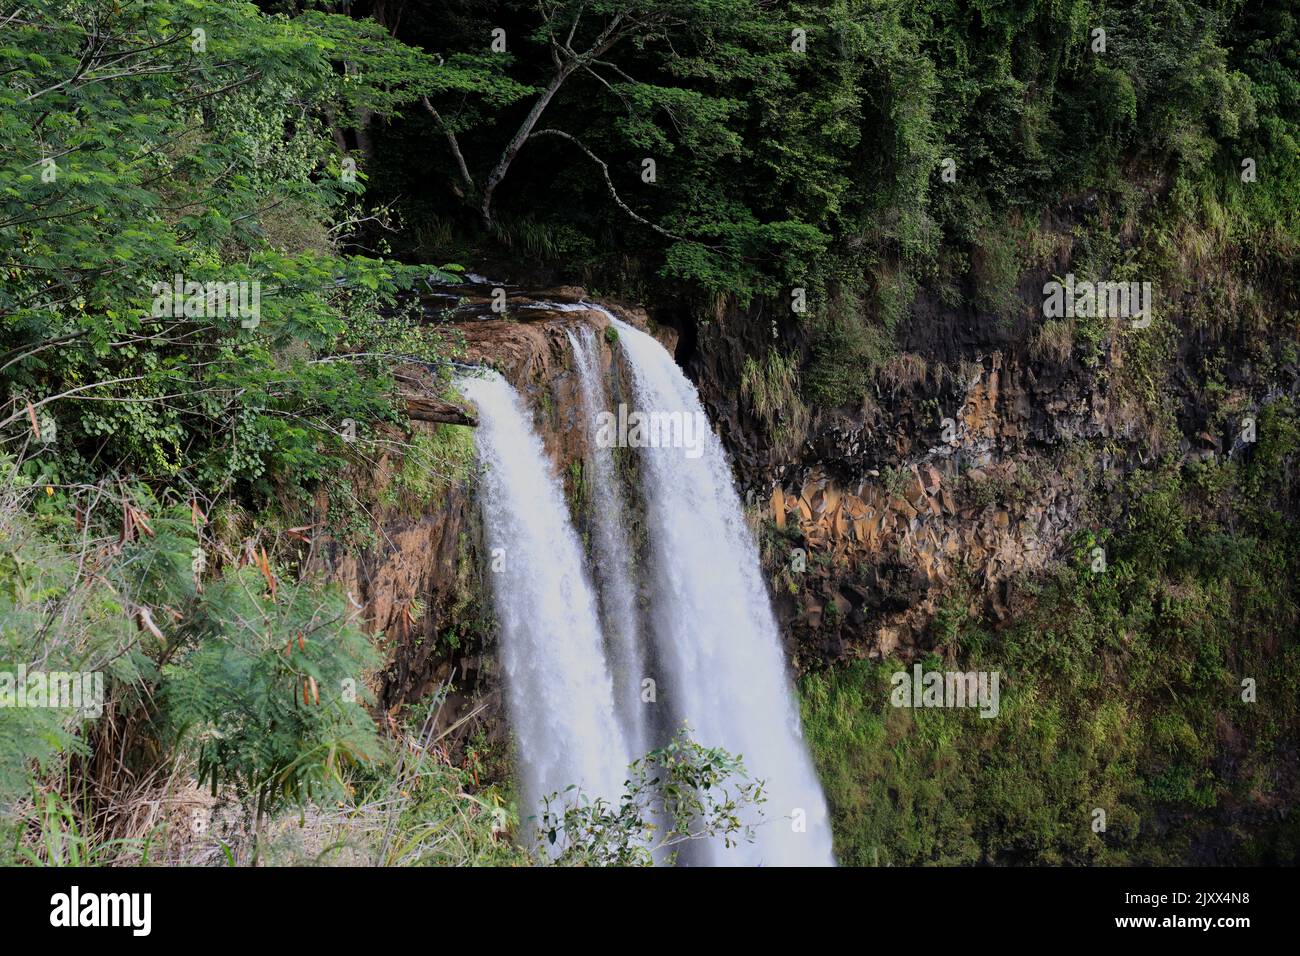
(904, 371)
(772, 389)
(1053, 341)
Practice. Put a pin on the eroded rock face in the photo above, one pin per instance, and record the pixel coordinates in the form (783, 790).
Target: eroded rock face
(954, 483)
(967, 471)
(867, 565)
(408, 585)
(907, 538)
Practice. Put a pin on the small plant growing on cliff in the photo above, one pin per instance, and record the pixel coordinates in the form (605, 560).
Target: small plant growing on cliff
(611, 334)
(1053, 342)
(830, 614)
(895, 478)
(576, 485)
(431, 464)
(683, 791)
(772, 389)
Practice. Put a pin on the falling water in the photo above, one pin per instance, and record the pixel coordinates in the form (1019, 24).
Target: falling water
(558, 688)
(710, 620)
(713, 624)
(612, 552)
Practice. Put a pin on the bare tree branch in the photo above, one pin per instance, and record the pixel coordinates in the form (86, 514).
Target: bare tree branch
(521, 136)
(604, 168)
(619, 26)
(455, 146)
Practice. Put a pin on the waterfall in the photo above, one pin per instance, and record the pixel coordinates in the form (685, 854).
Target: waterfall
(612, 552)
(559, 692)
(574, 661)
(712, 621)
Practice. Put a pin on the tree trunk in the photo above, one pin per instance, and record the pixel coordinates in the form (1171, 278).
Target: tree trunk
(365, 146)
(520, 137)
(425, 409)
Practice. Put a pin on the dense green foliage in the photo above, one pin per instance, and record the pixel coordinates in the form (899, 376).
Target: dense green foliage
(260, 680)
(139, 142)
(132, 157)
(822, 166)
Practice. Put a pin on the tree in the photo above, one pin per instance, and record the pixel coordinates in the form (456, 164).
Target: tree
(150, 147)
(152, 140)
(680, 792)
(579, 35)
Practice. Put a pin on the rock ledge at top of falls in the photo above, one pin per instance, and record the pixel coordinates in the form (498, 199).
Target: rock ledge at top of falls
(526, 341)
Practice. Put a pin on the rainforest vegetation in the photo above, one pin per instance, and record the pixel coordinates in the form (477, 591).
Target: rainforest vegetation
(812, 194)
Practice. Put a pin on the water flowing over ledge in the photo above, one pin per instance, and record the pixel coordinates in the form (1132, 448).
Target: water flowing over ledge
(558, 688)
(706, 620)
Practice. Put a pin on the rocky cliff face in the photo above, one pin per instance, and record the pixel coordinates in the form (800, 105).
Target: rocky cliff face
(878, 540)
(979, 454)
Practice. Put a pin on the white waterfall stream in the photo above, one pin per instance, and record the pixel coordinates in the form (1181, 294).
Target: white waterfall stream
(612, 551)
(573, 686)
(713, 622)
(558, 689)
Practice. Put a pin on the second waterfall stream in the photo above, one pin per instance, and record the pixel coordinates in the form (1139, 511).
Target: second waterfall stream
(576, 645)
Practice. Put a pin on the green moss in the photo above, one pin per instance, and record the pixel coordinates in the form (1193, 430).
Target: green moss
(432, 463)
(575, 486)
(1120, 691)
